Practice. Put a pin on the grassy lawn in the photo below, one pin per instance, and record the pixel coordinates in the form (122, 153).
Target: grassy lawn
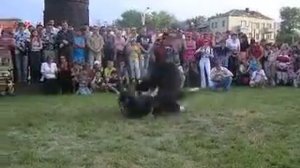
(244, 128)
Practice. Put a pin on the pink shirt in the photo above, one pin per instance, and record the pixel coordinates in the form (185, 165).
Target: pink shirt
(189, 53)
(120, 43)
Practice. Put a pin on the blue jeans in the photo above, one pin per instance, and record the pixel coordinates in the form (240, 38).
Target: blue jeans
(21, 66)
(225, 84)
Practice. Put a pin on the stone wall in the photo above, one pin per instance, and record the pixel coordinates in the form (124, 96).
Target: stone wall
(76, 12)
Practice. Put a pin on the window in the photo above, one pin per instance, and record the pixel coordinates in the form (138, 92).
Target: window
(263, 25)
(216, 24)
(212, 25)
(223, 23)
(269, 25)
(257, 36)
(243, 23)
(257, 25)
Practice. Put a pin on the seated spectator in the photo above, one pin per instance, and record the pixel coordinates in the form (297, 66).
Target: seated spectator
(83, 83)
(109, 69)
(98, 81)
(258, 78)
(221, 77)
(49, 72)
(75, 72)
(253, 65)
(113, 83)
(64, 76)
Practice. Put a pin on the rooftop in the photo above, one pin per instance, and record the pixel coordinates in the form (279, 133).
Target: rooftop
(10, 19)
(244, 13)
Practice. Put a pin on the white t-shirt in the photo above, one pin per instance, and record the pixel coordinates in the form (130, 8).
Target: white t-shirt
(49, 71)
(233, 44)
(257, 76)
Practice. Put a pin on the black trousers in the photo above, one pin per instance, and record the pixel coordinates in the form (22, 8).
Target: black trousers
(51, 87)
(35, 58)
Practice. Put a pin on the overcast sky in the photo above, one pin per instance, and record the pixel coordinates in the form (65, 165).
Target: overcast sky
(108, 10)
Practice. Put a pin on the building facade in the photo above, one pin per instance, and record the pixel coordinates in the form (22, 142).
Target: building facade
(253, 24)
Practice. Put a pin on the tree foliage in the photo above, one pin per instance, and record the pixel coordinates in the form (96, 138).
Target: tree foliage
(133, 18)
(130, 18)
(290, 17)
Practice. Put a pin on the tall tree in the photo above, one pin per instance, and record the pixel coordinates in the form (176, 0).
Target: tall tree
(163, 19)
(130, 18)
(290, 17)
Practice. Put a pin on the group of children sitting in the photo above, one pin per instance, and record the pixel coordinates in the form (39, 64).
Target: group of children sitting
(87, 80)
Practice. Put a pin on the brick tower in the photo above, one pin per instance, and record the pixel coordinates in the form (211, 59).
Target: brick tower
(76, 12)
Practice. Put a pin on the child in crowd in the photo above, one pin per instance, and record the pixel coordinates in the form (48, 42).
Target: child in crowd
(258, 78)
(109, 69)
(83, 83)
(253, 65)
(75, 72)
(113, 82)
(98, 82)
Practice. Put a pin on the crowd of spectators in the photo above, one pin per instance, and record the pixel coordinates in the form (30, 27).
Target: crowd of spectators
(91, 59)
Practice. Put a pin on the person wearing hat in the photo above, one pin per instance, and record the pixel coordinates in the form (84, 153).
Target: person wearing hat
(95, 45)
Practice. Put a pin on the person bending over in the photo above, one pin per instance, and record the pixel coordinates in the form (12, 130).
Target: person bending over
(221, 77)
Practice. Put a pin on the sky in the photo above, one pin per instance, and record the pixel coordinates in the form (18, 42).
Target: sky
(109, 10)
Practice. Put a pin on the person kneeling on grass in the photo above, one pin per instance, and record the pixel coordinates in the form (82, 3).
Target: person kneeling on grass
(83, 83)
(221, 77)
(258, 78)
(113, 83)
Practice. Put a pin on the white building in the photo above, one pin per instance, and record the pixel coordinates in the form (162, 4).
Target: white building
(253, 24)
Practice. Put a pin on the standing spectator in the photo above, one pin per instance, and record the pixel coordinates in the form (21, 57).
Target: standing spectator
(218, 39)
(119, 47)
(109, 47)
(145, 42)
(270, 54)
(95, 44)
(40, 29)
(35, 56)
(79, 48)
(64, 41)
(22, 38)
(205, 38)
(256, 50)
(233, 43)
(189, 55)
(134, 59)
(206, 53)
(244, 48)
(49, 42)
(222, 53)
(51, 25)
(221, 77)
(49, 72)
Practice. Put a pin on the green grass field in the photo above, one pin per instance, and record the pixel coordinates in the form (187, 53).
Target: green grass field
(244, 128)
